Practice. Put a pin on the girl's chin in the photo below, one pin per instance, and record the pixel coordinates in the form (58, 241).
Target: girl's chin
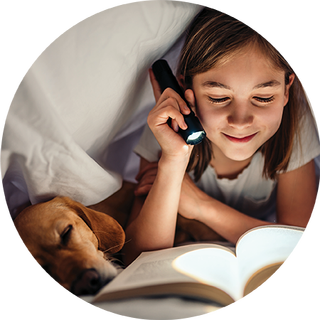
(239, 155)
(235, 151)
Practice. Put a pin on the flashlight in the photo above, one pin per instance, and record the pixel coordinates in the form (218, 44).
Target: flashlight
(194, 134)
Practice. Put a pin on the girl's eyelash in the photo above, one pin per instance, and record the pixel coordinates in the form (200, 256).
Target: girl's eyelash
(259, 99)
(264, 100)
(220, 100)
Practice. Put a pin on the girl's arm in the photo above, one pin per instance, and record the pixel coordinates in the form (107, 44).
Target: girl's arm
(297, 191)
(223, 219)
(296, 196)
(295, 200)
(196, 204)
(153, 221)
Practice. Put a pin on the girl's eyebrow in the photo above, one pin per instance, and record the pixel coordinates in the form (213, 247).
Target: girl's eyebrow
(272, 83)
(215, 84)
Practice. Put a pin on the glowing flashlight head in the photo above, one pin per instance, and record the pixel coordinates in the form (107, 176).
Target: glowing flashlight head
(194, 134)
(195, 138)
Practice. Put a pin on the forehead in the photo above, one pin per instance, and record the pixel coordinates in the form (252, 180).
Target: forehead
(249, 67)
(250, 53)
(45, 213)
(43, 238)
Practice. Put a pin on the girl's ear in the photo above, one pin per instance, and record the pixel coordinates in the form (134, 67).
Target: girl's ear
(189, 96)
(287, 89)
(181, 81)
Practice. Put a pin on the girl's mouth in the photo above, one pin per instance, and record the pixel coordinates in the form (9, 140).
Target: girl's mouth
(240, 140)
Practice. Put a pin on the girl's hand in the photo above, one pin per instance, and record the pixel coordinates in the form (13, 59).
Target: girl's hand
(191, 198)
(146, 179)
(169, 104)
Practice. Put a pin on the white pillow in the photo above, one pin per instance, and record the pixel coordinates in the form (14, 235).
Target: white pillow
(87, 88)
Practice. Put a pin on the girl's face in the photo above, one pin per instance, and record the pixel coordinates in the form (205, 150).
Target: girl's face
(240, 103)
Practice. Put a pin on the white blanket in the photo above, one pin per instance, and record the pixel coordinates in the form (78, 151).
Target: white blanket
(80, 109)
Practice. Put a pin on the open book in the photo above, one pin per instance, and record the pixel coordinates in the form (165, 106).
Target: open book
(206, 271)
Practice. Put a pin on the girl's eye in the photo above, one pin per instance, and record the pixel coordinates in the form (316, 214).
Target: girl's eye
(264, 100)
(219, 100)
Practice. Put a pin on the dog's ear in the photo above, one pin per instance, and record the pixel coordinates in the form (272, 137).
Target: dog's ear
(108, 231)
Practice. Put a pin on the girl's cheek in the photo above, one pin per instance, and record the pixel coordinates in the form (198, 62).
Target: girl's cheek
(212, 118)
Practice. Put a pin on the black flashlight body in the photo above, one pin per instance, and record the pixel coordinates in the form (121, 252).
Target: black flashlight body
(166, 79)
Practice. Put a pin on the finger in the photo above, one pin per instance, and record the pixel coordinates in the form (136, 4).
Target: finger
(174, 125)
(180, 102)
(155, 85)
(150, 166)
(146, 182)
(157, 93)
(148, 178)
(167, 109)
(142, 191)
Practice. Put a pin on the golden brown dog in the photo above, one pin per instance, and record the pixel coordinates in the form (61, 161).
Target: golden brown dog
(74, 243)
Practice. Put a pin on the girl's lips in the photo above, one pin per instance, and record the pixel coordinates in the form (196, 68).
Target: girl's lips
(243, 140)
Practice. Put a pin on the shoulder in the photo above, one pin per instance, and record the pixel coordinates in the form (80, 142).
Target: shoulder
(306, 143)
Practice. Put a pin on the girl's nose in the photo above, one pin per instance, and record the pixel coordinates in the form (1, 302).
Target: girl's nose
(240, 117)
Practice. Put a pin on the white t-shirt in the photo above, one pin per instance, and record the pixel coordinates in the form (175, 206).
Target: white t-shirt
(250, 193)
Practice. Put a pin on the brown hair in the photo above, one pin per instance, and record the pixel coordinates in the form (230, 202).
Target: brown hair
(214, 36)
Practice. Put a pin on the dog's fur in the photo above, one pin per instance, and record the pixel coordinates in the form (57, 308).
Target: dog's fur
(75, 244)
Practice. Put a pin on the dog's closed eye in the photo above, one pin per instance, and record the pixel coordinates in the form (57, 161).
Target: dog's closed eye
(66, 234)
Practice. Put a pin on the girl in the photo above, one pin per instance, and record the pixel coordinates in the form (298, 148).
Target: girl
(255, 166)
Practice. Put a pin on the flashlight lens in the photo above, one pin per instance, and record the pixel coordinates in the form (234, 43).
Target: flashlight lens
(195, 137)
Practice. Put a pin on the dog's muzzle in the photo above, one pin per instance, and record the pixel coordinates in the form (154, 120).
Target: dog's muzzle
(89, 282)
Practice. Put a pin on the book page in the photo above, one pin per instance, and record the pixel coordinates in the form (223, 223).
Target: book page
(214, 266)
(265, 246)
(152, 268)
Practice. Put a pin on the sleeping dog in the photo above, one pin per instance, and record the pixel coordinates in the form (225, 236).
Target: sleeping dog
(75, 244)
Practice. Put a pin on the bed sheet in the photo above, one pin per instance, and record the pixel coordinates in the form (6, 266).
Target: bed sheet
(161, 308)
(81, 107)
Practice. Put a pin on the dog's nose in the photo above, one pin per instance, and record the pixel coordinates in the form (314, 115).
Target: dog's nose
(88, 282)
